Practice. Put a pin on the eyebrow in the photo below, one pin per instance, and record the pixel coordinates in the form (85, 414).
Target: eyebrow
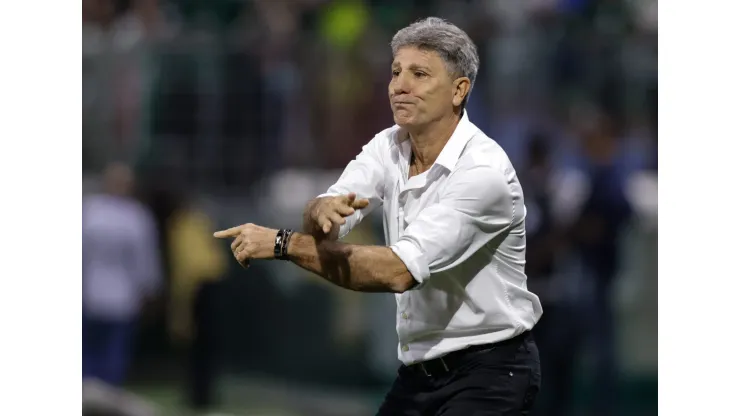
(413, 67)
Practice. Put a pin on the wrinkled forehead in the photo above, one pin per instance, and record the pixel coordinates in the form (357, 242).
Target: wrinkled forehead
(417, 56)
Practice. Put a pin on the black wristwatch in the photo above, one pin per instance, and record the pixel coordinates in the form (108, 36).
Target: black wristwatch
(281, 243)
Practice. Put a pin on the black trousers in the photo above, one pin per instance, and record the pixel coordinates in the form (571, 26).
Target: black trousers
(499, 379)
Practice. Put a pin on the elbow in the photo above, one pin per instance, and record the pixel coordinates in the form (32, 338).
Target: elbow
(402, 283)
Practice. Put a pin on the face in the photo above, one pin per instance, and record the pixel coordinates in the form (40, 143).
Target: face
(421, 89)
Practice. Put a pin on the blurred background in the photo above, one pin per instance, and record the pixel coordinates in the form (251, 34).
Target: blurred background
(202, 114)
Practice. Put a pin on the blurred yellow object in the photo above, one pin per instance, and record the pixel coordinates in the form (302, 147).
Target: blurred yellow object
(344, 22)
(196, 257)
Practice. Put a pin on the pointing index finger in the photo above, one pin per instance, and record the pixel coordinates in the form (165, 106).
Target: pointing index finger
(231, 232)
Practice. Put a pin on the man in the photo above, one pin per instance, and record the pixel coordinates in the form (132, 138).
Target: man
(454, 222)
(120, 270)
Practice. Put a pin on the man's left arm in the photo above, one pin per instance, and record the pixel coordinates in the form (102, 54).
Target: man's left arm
(356, 267)
(478, 204)
(362, 268)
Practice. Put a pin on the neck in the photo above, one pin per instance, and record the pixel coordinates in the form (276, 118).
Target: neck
(428, 141)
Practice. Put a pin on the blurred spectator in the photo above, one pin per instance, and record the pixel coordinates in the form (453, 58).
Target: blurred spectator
(559, 333)
(597, 231)
(120, 271)
(197, 262)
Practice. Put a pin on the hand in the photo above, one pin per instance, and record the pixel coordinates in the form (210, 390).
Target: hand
(325, 213)
(250, 242)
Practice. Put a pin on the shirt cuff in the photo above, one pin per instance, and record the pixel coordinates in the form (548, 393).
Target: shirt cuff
(328, 194)
(414, 260)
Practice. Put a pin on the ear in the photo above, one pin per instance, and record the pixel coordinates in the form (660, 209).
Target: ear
(460, 91)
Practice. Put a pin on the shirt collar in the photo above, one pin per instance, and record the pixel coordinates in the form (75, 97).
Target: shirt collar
(454, 146)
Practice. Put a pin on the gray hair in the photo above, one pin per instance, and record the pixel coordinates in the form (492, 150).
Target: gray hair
(451, 43)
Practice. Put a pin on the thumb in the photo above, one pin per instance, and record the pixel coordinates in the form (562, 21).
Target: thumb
(360, 203)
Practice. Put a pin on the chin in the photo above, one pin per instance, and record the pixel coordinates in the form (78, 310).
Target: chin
(403, 120)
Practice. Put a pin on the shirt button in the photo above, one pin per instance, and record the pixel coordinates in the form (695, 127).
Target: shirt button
(404, 315)
(405, 348)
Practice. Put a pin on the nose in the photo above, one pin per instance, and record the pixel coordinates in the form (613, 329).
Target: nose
(400, 85)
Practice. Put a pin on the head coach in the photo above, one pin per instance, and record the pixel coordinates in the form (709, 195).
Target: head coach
(453, 215)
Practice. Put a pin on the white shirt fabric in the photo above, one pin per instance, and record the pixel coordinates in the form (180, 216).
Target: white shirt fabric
(459, 229)
(120, 258)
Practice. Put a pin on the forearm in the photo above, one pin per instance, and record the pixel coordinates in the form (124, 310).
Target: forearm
(355, 267)
(308, 224)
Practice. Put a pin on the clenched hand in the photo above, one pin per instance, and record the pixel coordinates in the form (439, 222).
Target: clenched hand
(324, 214)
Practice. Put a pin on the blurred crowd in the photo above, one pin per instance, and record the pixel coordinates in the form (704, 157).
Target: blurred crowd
(218, 103)
(239, 88)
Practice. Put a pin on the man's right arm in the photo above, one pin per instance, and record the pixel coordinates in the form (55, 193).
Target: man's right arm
(365, 177)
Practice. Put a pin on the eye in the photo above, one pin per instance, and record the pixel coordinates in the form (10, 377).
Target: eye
(419, 74)
(395, 72)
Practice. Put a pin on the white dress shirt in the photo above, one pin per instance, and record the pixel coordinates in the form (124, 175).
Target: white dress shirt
(459, 229)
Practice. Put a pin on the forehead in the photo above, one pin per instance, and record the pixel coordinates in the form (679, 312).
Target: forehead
(412, 55)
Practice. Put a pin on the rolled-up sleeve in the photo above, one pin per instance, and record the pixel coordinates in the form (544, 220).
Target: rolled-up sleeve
(477, 205)
(365, 177)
